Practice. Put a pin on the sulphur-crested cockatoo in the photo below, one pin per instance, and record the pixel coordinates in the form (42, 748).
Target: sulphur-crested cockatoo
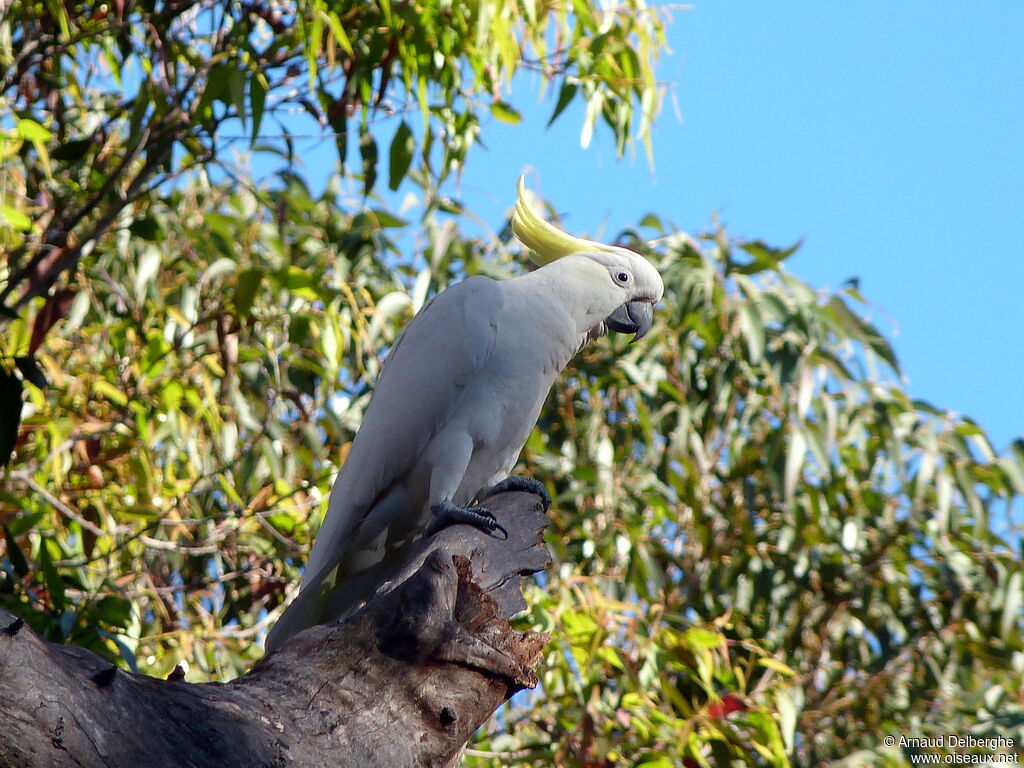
(457, 397)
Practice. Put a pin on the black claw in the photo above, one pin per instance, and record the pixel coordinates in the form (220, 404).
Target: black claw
(14, 627)
(105, 677)
(446, 514)
(178, 673)
(521, 483)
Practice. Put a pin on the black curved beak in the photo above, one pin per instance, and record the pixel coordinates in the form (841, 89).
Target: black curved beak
(634, 317)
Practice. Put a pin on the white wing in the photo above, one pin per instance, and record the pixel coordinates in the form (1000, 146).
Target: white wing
(420, 387)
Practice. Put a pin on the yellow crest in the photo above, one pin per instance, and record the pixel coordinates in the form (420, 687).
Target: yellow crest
(545, 241)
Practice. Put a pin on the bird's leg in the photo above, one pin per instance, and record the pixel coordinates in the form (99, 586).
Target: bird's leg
(520, 483)
(446, 513)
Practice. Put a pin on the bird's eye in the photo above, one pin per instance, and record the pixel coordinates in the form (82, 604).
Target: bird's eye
(622, 277)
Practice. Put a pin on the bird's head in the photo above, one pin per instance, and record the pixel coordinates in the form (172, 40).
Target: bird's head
(629, 282)
(621, 287)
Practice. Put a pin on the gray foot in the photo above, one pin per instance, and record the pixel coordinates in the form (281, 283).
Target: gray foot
(446, 514)
(521, 483)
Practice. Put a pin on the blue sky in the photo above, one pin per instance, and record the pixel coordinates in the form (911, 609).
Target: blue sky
(888, 135)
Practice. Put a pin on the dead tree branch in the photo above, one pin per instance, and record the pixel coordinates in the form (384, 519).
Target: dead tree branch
(404, 682)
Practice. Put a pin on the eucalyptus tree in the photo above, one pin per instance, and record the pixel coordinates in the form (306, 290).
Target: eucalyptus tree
(766, 552)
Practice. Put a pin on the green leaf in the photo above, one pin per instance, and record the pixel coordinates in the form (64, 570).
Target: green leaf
(294, 278)
(298, 281)
(216, 89)
(368, 153)
(115, 611)
(400, 155)
(257, 102)
(312, 37)
(655, 762)
(448, 205)
(24, 523)
(594, 105)
(15, 218)
(14, 553)
(112, 393)
(338, 31)
(387, 220)
(245, 290)
(54, 583)
(140, 107)
(298, 329)
(145, 228)
(340, 139)
(765, 257)
(702, 639)
(505, 112)
(1012, 604)
(652, 221)
(219, 268)
(32, 131)
(578, 627)
(610, 656)
(753, 331)
(148, 267)
(794, 462)
(565, 95)
(60, 13)
(236, 89)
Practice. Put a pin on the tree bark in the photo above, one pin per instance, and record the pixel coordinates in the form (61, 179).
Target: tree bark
(404, 682)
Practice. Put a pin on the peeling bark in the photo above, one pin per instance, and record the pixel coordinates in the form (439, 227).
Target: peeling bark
(404, 682)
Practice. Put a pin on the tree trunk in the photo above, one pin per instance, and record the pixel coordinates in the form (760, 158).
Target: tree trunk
(404, 682)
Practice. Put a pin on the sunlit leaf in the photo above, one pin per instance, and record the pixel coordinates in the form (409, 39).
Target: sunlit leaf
(15, 218)
(505, 112)
(31, 130)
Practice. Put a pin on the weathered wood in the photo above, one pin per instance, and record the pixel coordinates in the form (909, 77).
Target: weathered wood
(404, 682)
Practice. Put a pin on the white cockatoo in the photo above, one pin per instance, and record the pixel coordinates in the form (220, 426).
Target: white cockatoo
(457, 397)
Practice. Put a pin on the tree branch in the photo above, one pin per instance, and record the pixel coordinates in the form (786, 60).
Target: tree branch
(404, 682)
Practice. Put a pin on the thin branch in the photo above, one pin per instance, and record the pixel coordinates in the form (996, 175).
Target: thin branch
(63, 508)
(170, 546)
